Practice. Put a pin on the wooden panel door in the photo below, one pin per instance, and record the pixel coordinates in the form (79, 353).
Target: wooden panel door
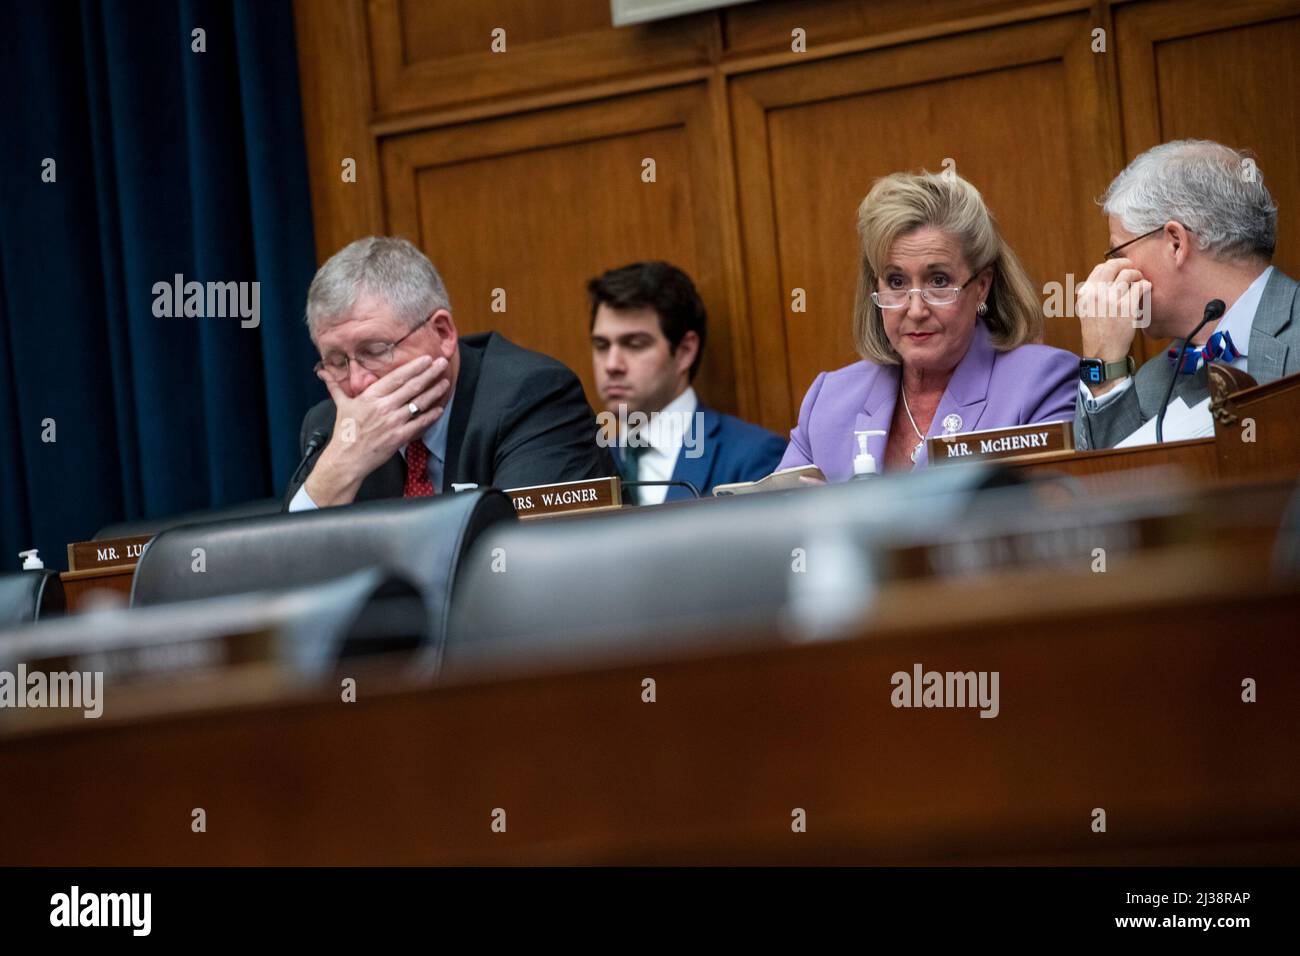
(1019, 111)
(535, 205)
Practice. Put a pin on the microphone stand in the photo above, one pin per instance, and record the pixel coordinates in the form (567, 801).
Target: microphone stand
(1213, 310)
(313, 445)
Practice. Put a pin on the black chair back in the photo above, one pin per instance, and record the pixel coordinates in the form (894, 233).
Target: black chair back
(30, 596)
(421, 540)
(697, 575)
(245, 509)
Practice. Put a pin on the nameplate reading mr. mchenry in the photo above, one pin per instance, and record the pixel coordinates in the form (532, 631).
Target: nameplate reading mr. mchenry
(537, 501)
(1016, 442)
(111, 552)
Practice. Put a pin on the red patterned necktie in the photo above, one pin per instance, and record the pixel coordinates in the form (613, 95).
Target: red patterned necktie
(418, 484)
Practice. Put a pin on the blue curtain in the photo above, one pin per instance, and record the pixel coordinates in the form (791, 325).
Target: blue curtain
(166, 161)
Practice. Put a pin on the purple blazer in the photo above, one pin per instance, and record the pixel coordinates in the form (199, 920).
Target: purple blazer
(988, 389)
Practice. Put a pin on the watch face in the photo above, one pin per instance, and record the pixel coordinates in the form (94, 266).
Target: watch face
(1090, 371)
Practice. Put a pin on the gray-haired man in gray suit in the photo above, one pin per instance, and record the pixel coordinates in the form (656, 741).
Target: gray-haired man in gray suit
(1190, 221)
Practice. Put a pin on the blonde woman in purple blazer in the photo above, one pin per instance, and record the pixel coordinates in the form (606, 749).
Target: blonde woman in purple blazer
(944, 320)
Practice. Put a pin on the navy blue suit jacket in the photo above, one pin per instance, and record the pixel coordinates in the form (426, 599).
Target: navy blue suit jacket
(732, 450)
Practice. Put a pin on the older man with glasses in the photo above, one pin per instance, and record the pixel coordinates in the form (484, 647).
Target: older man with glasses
(1190, 222)
(414, 407)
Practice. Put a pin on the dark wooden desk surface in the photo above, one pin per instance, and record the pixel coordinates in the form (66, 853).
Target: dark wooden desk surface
(1131, 704)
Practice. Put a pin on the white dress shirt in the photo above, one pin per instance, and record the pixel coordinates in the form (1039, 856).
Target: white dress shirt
(435, 439)
(665, 432)
(1239, 320)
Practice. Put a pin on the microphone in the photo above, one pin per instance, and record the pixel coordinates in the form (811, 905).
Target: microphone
(695, 492)
(314, 443)
(1213, 309)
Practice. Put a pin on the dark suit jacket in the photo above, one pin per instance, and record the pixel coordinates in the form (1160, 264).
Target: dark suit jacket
(1273, 352)
(518, 418)
(731, 450)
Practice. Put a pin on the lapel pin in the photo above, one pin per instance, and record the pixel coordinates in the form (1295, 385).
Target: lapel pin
(952, 423)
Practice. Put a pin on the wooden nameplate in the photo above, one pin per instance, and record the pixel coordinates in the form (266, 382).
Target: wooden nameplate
(107, 565)
(541, 501)
(994, 444)
(109, 553)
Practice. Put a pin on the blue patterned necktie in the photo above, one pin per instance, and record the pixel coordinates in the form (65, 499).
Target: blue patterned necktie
(1219, 347)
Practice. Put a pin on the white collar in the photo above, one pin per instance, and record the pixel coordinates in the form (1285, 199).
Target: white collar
(1240, 318)
(667, 426)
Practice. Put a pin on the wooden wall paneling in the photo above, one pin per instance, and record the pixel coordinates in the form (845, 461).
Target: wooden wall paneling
(1095, 126)
(1108, 80)
(537, 204)
(437, 54)
(1044, 125)
(764, 320)
(1021, 109)
(744, 361)
(766, 27)
(433, 29)
(336, 107)
(755, 27)
(1229, 72)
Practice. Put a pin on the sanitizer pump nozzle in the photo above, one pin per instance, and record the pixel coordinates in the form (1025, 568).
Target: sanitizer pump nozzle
(31, 560)
(864, 465)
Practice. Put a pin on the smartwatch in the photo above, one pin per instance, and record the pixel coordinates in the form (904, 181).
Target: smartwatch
(1094, 371)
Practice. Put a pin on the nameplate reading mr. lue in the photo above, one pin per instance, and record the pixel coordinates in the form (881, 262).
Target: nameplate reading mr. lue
(109, 553)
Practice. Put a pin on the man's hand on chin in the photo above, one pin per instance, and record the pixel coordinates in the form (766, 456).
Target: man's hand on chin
(1111, 305)
(370, 427)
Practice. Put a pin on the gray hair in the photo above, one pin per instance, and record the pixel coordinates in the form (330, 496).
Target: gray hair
(391, 268)
(1216, 192)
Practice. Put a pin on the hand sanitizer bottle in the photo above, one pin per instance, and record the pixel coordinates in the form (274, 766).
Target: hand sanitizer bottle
(864, 465)
(31, 560)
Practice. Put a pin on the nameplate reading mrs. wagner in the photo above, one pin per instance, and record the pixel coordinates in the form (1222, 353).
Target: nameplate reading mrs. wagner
(1019, 441)
(597, 494)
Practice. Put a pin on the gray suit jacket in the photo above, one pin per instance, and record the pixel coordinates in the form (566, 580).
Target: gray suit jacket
(1273, 352)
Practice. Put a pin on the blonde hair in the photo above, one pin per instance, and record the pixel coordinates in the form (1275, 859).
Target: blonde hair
(903, 202)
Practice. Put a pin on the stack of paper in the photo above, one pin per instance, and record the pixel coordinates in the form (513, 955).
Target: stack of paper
(1181, 423)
